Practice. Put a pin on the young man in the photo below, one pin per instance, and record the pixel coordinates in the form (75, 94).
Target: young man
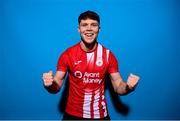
(87, 64)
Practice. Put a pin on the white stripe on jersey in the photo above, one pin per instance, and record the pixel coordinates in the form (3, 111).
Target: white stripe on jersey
(99, 60)
(96, 105)
(104, 108)
(90, 57)
(107, 55)
(99, 51)
(87, 105)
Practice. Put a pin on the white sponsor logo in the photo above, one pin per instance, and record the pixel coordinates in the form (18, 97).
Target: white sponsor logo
(89, 77)
(78, 74)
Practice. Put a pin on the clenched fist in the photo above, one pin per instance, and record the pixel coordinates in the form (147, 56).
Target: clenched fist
(48, 78)
(132, 80)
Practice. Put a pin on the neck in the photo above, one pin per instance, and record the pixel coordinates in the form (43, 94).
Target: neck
(88, 47)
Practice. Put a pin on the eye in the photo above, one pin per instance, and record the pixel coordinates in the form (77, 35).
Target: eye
(84, 25)
(94, 25)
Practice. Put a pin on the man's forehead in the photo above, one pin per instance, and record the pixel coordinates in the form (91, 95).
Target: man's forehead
(88, 21)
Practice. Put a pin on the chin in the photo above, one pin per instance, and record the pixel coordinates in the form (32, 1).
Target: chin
(89, 41)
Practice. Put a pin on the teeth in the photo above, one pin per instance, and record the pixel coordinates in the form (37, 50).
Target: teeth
(89, 34)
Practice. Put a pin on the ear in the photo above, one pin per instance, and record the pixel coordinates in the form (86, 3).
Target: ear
(78, 29)
(99, 29)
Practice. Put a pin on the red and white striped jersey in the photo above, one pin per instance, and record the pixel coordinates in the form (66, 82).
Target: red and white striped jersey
(87, 71)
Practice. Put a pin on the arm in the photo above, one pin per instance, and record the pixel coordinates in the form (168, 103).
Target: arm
(120, 86)
(53, 83)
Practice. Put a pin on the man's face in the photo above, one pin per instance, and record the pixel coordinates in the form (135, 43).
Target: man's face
(88, 30)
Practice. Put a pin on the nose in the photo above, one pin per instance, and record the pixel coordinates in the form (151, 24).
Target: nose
(89, 27)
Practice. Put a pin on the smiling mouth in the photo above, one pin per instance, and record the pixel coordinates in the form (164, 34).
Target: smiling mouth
(89, 34)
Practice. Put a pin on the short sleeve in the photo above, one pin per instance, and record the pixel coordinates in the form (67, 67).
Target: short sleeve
(63, 62)
(113, 64)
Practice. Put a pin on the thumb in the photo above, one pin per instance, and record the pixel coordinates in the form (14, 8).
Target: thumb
(50, 72)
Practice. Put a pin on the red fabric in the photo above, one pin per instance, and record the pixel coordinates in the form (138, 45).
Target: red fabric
(86, 76)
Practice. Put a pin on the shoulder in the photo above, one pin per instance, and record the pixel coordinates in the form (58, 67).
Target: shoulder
(105, 49)
(109, 54)
(100, 45)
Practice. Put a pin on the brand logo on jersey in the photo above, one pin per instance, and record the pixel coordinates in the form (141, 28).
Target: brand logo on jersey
(78, 74)
(99, 62)
(78, 62)
(88, 77)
